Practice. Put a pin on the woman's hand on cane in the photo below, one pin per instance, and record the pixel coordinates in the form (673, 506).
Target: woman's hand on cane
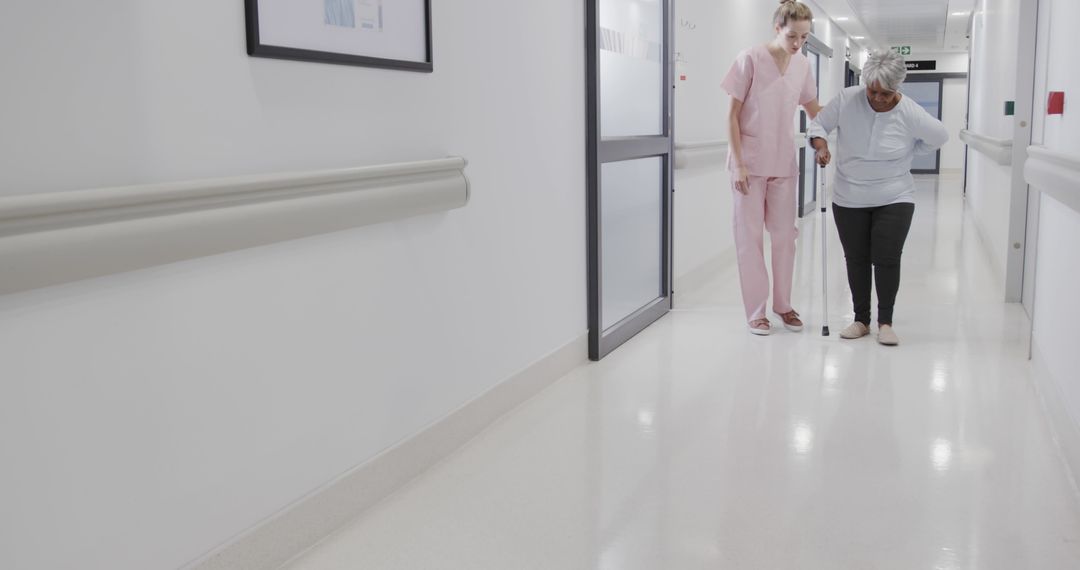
(822, 148)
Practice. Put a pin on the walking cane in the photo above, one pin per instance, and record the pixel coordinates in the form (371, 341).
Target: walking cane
(823, 196)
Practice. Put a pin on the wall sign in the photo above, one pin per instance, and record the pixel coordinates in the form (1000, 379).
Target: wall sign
(902, 50)
(393, 34)
(921, 65)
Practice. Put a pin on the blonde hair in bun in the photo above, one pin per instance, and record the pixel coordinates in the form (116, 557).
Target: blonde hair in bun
(791, 11)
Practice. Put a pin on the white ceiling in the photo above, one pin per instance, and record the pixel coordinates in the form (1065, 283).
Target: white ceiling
(925, 25)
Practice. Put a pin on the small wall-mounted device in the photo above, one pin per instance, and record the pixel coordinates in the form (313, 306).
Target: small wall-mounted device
(1056, 104)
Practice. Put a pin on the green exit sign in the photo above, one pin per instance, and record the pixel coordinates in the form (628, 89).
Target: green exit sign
(902, 50)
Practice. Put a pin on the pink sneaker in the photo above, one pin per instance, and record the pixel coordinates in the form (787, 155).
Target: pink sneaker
(791, 321)
(760, 327)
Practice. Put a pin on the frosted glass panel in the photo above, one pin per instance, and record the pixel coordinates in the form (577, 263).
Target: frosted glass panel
(928, 95)
(924, 162)
(631, 68)
(810, 175)
(631, 236)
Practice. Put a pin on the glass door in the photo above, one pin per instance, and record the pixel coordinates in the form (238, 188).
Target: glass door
(630, 167)
(808, 172)
(927, 93)
(851, 75)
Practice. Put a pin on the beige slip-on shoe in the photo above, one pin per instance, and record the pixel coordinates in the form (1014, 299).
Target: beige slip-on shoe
(887, 336)
(855, 330)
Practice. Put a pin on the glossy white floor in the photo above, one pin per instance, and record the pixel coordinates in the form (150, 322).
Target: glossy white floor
(697, 445)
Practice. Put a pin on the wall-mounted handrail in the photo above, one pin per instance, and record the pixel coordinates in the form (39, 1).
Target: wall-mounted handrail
(52, 238)
(1000, 150)
(701, 153)
(1055, 174)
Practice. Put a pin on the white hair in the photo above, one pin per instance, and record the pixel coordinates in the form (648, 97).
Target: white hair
(885, 67)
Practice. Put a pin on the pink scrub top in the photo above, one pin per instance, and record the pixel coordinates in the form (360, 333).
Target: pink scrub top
(767, 117)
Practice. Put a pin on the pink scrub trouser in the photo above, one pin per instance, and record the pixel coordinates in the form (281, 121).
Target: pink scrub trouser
(770, 205)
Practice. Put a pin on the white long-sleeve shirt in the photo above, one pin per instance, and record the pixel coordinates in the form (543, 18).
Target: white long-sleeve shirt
(875, 150)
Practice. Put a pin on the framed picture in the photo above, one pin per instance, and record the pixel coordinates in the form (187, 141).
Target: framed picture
(392, 34)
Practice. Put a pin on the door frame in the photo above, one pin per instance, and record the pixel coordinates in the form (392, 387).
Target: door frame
(822, 50)
(1026, 60)
(599, 151)
(931, 78)
(852, 74)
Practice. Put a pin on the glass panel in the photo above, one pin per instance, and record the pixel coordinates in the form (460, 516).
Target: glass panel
(925, 162)
(631, 213)
(810, 170)
(928, 95)
(631, 68)
(810, 175)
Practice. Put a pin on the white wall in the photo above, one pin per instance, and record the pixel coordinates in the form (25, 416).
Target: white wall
(954, 102)
(953, 113)
(1058, 132)
(832, 70)
(1057, 276)
(1056, 310)
(703, 237)
(860, 57)
(993, 80)
(147, 417)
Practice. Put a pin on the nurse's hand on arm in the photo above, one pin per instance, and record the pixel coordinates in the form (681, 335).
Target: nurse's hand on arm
(825, 121)
(813, 108)
(741, 178)
(808, 96)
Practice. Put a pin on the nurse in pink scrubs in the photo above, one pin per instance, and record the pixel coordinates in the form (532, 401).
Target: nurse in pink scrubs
(767, 83)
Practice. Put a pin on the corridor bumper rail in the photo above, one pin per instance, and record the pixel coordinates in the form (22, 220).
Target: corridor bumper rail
(52, 238)
(1055, 174)
(1000, 150)
(700, 154)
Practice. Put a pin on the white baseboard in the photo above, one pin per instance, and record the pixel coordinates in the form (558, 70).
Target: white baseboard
(302, 525)
(697, 276)
(1065, 429)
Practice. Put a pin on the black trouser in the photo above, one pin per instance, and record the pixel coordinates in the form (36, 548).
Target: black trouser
(874, 236)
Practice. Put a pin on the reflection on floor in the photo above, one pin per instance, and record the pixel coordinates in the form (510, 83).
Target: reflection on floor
(697, 445)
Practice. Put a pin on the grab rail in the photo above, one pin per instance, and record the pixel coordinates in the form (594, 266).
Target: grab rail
(998, 149)
(1055, 174)
(52, 238)
(697, 154)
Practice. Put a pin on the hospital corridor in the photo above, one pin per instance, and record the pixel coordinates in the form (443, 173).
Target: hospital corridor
(699, 446)
(503, 285)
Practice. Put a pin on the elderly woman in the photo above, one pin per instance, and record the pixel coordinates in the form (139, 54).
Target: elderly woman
(879, 132)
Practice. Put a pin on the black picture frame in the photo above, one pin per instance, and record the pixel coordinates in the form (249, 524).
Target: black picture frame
(256, 48)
